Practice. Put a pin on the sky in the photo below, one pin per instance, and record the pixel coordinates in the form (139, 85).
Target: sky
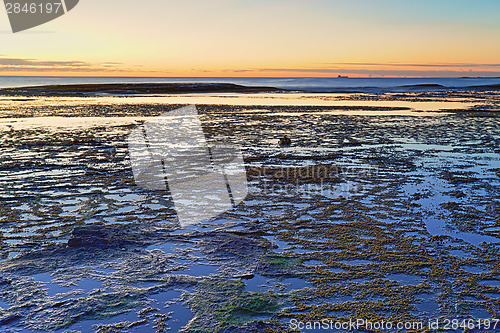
(260, 38)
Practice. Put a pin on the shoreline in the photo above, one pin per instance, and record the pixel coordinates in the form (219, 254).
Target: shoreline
(272, 102)
(125, 89)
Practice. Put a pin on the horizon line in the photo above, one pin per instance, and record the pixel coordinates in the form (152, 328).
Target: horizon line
(267, 77)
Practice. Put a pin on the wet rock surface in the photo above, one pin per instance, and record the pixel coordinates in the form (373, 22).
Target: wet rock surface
(404, 226)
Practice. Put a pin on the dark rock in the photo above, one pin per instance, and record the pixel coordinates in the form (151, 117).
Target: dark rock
(4, 281)
(254, 326)
(104, 236)
(4, 320)
(245, 276)
(457, 194)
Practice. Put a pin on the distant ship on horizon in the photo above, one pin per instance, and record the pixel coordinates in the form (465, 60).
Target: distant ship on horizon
(342, 77)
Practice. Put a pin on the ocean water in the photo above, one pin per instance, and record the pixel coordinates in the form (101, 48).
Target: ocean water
(307, 84)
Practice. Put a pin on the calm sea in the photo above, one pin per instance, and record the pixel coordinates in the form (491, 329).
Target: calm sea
(308, 84)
